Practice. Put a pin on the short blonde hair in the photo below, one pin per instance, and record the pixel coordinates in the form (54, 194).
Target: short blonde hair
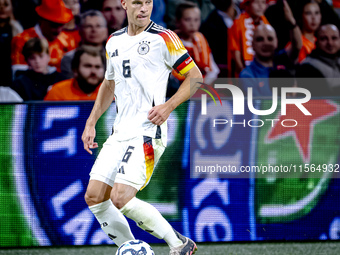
(35, 45)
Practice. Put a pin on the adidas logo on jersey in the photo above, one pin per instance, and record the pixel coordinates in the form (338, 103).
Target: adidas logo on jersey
(158, 27)
(115, 53)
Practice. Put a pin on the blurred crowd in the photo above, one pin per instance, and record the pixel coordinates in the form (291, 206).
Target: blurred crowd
(55, 49)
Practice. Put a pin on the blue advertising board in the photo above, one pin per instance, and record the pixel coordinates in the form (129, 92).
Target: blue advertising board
(50, 172)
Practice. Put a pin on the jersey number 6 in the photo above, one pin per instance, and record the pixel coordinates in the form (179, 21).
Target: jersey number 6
(127, 154)
(126, 68)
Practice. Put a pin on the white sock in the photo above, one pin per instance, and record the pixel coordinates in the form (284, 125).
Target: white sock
(112, 221)
(149, 219)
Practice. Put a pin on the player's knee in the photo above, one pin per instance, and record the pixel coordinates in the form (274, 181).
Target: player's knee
(121, 194)
(118, 201)
(88, 199)
(92, 199)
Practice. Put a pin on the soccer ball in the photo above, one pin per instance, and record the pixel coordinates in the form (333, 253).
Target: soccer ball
(135, 247)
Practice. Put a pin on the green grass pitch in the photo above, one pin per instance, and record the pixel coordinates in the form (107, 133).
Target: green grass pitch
(287, 248)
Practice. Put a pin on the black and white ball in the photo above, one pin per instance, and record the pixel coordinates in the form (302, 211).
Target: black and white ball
(135, 247)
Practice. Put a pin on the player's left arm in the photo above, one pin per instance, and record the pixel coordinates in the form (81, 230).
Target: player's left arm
(158, 114)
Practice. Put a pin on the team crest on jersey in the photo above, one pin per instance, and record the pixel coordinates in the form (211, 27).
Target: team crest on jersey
(143, 47)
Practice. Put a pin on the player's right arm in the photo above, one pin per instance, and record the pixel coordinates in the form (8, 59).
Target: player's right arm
(103, 101)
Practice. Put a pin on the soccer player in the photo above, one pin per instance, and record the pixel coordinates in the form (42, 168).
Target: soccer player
(139, 60)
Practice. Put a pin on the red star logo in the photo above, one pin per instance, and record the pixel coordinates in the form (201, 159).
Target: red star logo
(303, 131)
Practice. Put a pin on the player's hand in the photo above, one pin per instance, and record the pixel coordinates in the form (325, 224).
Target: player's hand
(158, 114)
(88, 138)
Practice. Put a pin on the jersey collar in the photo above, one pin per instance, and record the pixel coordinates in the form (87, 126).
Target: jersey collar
(149, 26)
(146, 29)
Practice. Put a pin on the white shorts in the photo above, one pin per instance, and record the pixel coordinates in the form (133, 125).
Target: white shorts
(129, 162)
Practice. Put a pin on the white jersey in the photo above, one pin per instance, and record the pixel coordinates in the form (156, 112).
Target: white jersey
(140, 66)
